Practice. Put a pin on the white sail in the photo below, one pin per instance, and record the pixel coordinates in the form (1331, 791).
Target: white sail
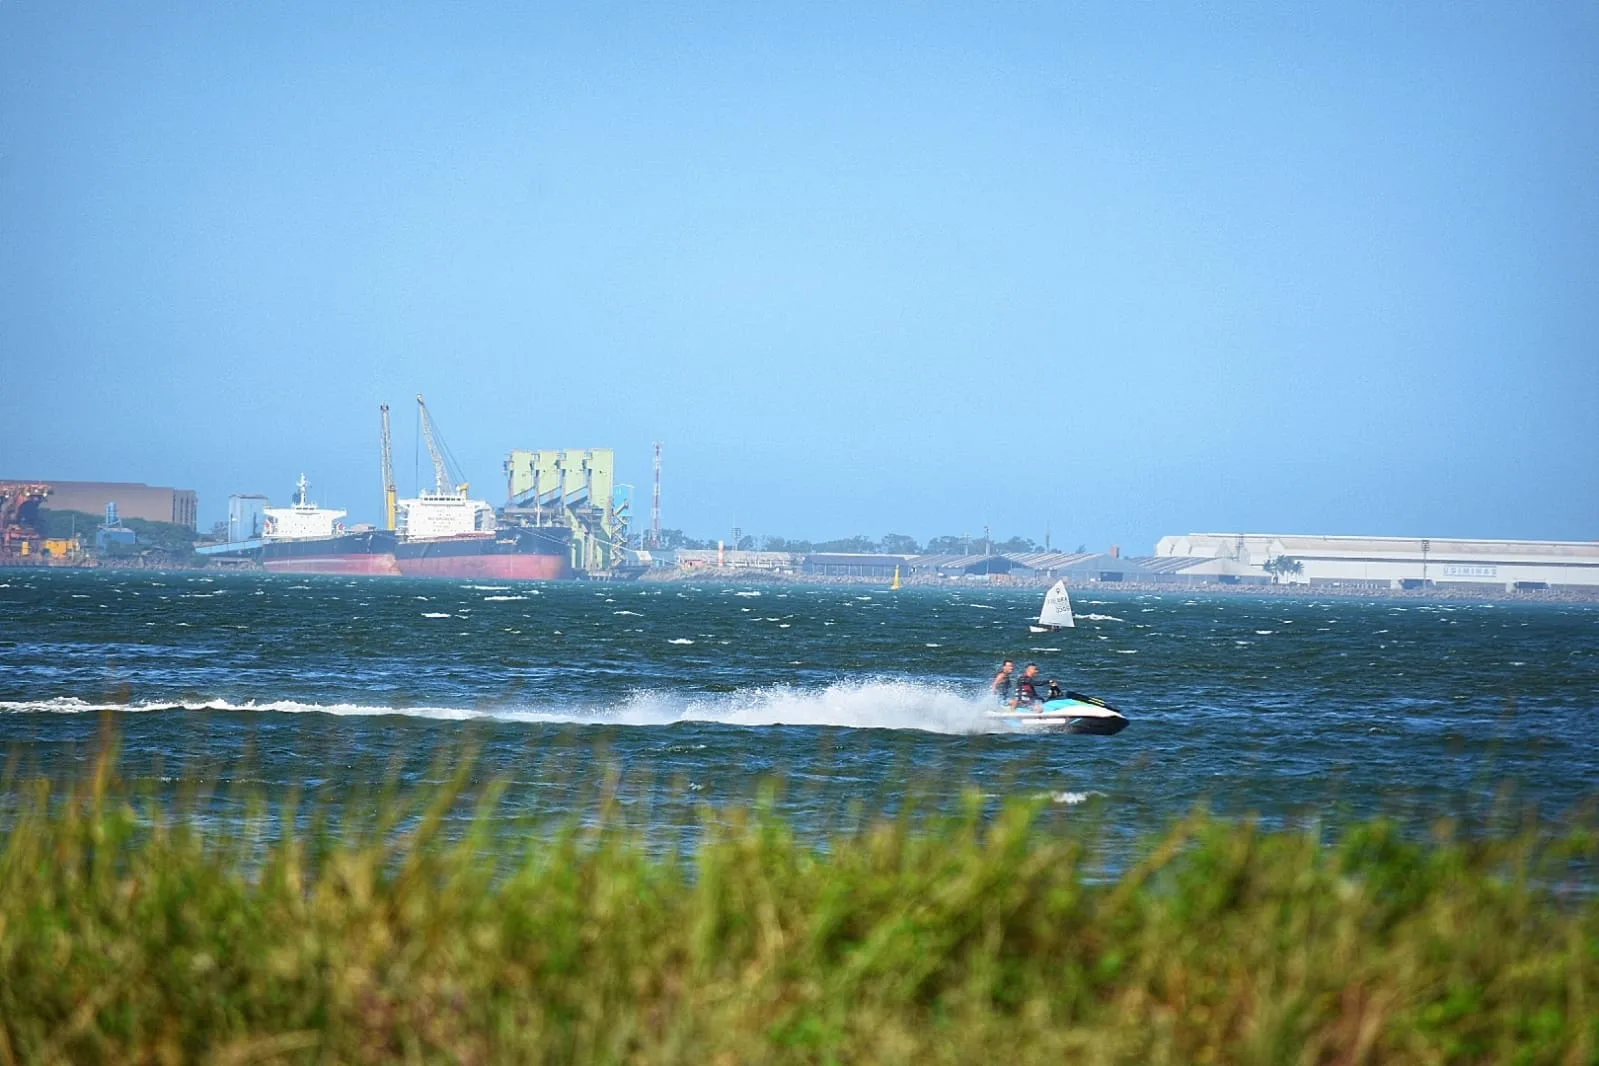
(1057, 611)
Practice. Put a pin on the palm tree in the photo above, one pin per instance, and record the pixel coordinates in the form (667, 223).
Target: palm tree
(1281, 566)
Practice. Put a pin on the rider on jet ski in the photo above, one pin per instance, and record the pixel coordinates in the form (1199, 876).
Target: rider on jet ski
(1027, 697)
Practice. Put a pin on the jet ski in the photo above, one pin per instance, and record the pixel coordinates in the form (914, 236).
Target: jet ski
(1073, 713)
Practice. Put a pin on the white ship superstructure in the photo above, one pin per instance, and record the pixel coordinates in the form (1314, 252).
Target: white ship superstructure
(431, 515)
(304, 520)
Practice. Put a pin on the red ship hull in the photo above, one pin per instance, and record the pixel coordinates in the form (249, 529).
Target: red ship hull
(502, 567)
(510, 554)
(333, 564)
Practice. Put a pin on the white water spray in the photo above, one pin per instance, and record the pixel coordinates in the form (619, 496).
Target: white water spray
(875, 704)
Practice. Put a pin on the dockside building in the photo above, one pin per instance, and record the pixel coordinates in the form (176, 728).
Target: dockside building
(1395, 562)
(134, 499)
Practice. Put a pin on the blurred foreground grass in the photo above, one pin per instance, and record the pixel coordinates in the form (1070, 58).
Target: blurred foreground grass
(130, 934)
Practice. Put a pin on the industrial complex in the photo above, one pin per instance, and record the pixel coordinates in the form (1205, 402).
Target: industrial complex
(1389, 562)
(1355, 564)
(565, 514)
(24, 502)
(576, 488)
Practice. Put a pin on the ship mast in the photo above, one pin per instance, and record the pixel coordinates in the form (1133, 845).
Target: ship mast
(389, 493)
(441, 472)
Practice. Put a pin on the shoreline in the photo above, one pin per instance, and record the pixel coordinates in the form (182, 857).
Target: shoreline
(1456, 592)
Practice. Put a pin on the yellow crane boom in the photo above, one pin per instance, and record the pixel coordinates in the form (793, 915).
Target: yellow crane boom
(390, 496)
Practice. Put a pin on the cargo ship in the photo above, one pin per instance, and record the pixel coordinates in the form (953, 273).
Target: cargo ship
(448, 534)
(307, 539)
(511, 553)
(438, 533)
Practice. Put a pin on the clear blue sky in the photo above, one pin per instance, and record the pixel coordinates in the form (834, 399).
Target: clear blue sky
(1123, 270)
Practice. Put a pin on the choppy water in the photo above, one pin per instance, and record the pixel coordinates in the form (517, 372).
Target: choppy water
(1287, 707)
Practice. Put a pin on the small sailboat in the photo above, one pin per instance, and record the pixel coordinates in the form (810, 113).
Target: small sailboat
(1057, 612)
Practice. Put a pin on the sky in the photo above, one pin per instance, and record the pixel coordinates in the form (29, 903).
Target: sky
(1103, 271)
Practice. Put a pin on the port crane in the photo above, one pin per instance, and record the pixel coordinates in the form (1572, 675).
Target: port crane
(19, 515)
(390, 495)
(441, 469)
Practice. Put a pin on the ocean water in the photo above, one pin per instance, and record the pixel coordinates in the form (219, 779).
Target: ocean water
(683, 698)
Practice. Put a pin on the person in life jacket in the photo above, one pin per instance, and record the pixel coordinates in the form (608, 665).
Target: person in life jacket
(1002, 681)
(1027, 697)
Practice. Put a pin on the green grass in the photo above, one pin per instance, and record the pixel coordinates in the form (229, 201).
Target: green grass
(129, 935)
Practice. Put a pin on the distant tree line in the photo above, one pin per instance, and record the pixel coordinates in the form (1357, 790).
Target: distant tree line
(889, 544)
(161, 538)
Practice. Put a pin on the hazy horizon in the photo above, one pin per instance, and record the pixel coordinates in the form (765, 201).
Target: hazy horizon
(876, 269)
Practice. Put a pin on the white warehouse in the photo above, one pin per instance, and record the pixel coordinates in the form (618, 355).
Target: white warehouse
(1399, 561)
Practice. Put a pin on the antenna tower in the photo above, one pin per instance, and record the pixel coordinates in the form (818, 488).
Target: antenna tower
(655, 502)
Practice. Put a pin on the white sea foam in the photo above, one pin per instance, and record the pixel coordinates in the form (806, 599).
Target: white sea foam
(1071, 799)
(437, 614)
(875, 704)
(680, 640)
(1100, 618)
(501, 599)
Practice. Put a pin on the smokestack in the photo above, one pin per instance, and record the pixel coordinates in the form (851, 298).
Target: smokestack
(1115, 551)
